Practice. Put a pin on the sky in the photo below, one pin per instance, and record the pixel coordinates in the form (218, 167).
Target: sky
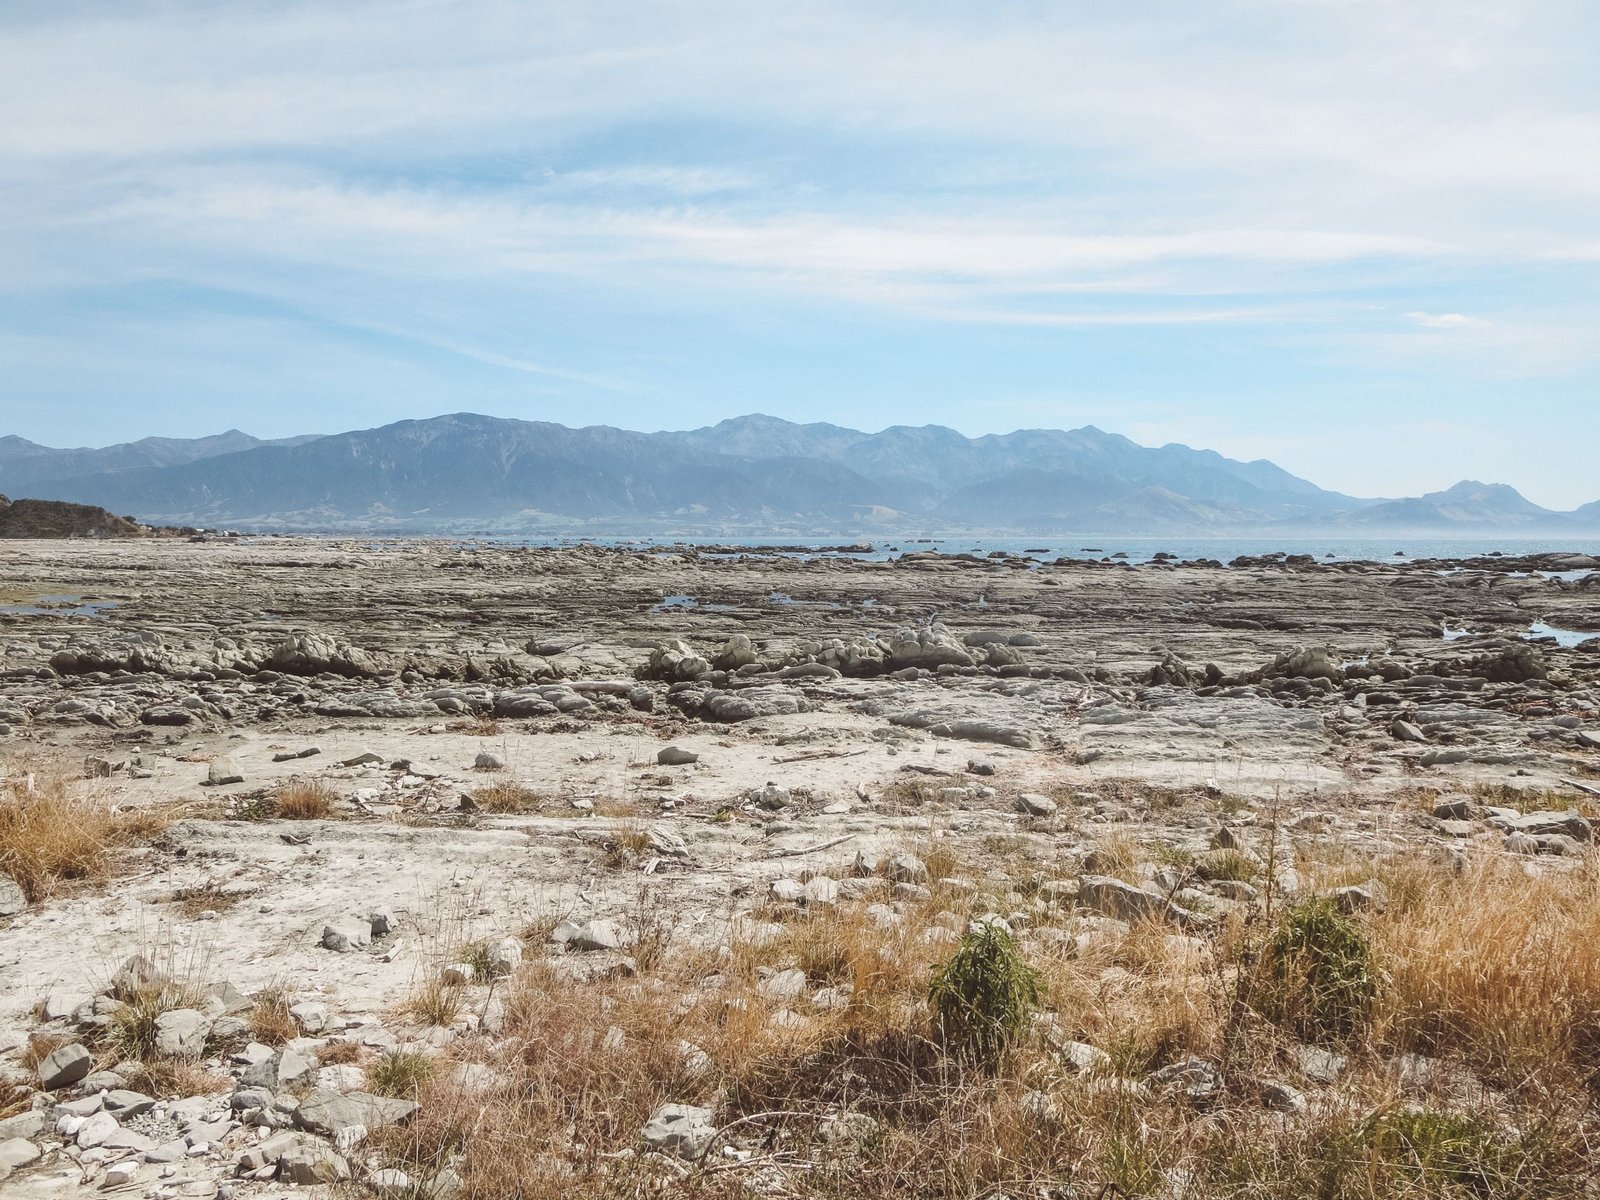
(1357, 237)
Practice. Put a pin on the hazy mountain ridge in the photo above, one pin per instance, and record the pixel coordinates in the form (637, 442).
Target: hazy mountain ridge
(754, 474)
(24, 464)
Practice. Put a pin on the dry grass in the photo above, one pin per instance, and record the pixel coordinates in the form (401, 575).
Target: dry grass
(507, 797)
(178, 1079)
(54, 834)
(1500, 969)
(1489, 968)
(338, 1053)
(209, 896)
(270, 1020)
(435, 1002)
(303, 800)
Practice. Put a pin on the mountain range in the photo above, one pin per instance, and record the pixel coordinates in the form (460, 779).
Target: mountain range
(747, 475)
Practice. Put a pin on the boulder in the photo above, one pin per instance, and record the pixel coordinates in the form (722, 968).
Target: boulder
(1033, 804)
(329, 1112)
(347, 934)
(683, 1130)
(1124, 902)
(932, 646)
(64, 1066)
(181, 1033)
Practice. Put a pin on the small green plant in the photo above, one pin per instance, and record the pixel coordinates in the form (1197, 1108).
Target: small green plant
(1421, 1147)
(401, 1074)
(984, 996)
(1217, 865)
(1315, 976)
(478, 956)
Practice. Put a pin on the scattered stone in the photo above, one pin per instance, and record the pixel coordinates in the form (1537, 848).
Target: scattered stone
(684, 1130)
(347, 934)
(222, 773)
(17, 1152)
(1114, 898)
(1280, 1097)
(1360, 898)
(907, 868)
(676, 756)
(601, 934)
(64, 1066)
(120, 1174)
(329, 1112)
(1035, 805)
(12, 899)
(504, 957)
(390, 1184)
(95, 1130)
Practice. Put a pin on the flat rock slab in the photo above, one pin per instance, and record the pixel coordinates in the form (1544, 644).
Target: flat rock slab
(329, 1112)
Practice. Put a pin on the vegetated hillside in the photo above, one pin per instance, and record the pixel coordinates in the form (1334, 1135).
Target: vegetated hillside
(57, 519)
(25, 465)
(466, 467)
(758, 475)
(1468, 504)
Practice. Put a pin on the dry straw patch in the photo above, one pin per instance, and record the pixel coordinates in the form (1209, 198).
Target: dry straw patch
(583, 1059)
(1500, 968)
(304, 800)
(54, 833)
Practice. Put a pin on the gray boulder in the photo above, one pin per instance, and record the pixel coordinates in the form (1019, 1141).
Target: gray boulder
(683, 1130)
(64, 1066)
(329, 1112)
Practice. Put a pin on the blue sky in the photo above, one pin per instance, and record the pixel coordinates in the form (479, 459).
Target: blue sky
(1357, 237)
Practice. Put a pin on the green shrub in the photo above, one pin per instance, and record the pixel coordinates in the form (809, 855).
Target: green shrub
(985, 995)
(400, 1073)
(1315, 977)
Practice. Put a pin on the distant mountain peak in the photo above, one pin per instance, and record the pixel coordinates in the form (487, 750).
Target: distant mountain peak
(750, 474)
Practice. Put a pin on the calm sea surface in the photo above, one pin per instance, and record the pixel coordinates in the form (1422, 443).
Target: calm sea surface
(1133, 549)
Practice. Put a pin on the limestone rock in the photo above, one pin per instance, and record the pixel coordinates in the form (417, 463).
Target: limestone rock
(684, 1130)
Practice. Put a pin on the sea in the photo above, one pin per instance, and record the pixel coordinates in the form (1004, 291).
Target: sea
(1132, 550)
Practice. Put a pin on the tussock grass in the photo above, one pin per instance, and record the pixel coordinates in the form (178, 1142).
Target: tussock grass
(303, 800)
(270, 1020)
(1500, 969)
(53, 833)
(1316, 976)
(402, 1074)
(508, 797)
(944, 1051)
(435, 1002)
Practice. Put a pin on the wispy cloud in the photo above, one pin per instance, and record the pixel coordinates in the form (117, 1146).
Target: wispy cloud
(1449, 320)
(593, 193)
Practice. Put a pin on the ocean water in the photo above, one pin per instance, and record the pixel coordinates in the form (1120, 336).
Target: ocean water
(1133, 550)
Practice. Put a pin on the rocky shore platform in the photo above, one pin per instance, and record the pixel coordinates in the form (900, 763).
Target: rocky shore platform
(366, 801)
